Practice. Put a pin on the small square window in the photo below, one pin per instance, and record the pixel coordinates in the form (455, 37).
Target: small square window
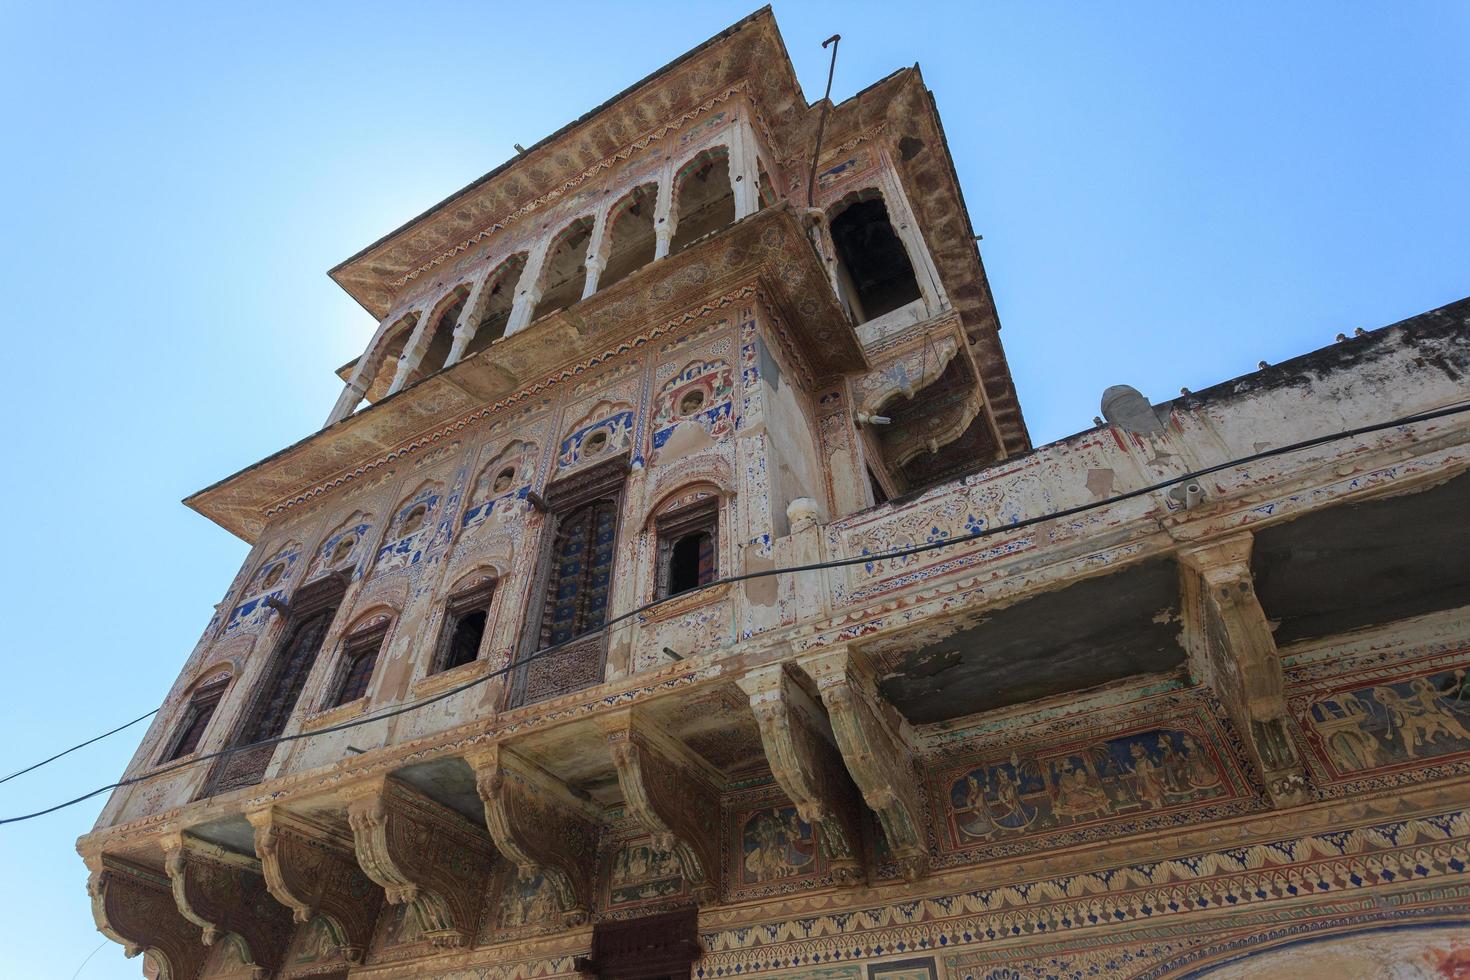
(466, 617)
(688, 555)
(359, 657)
(196, 720)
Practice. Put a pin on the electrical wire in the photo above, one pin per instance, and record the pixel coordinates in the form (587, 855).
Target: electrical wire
(747, 576)
(79, 745)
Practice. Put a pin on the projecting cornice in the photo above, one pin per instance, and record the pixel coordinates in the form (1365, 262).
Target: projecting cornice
(748, 55)
(766, 254)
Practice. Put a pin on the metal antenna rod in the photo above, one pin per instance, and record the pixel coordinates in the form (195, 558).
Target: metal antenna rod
(811, 180)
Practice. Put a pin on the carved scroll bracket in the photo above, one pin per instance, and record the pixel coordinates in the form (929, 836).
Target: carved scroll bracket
(134, 906)
(541, 825)
(424, 855)
(807, 766)
(225, 895)
(1234, 652)
(877, 752)
(670, 794)
(312, 870)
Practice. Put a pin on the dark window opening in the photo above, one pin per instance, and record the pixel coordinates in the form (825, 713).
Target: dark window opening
(359, 656)
(689, 562)
(879, 495)
(495, 304)
(874, 262)
(465, 621)
(565, 274)
(687, 554)
(632, 242)
(196, 720)
(704, 199)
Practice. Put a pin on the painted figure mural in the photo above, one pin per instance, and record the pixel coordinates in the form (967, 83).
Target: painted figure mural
(1146, 771)
(1395, 722)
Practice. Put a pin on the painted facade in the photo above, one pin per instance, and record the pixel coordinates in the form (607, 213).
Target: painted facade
(518, 680)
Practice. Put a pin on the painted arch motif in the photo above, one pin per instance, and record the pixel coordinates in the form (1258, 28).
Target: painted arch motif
(503, 480)
(343, 547)
(699, 395)
(411, 528)
(604, 431)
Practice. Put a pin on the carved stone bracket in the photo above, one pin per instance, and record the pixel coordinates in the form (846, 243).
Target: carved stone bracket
(424, 855)
(540, 825)
(1236, 655)
(807, 766)
(909, 362)
(135, 906)
(670, 794)
(312, 870)
(225, 895)
(871, 739)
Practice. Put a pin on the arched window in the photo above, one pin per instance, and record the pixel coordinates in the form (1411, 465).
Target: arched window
(383, 359)
(873, 264)
(565, 274)
(687, 548)
(195, 719)
(359, 658)
(466, 616)
(631, 240)
(496, 299)
(704, 199)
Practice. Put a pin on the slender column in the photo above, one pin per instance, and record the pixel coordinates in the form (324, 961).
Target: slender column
(1236, 654)
(597, 250)
(528, 289)
(464, 330)
(664, 218)
(364, 372)
(744, 176)
(414, 350)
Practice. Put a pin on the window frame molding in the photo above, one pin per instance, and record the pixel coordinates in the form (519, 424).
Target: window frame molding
(215, 686)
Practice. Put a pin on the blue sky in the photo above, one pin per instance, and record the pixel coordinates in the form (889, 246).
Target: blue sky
(1169, 193)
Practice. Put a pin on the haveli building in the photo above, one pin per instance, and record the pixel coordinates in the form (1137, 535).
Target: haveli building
(484, 700)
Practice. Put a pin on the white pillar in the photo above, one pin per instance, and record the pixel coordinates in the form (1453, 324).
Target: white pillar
(464, 330)
(364, 373)
(597, 249)
(413, 351)
(744, 173)
(664, 219)
(528, 288)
